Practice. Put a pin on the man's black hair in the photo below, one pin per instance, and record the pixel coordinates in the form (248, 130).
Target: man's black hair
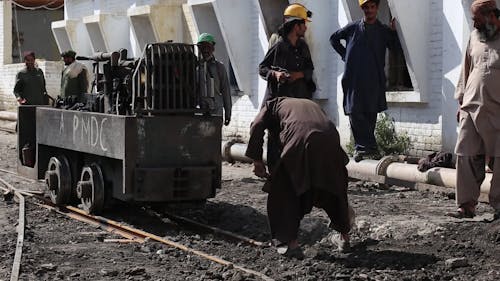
(287, 27)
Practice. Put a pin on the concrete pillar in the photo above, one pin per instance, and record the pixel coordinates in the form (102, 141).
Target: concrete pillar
(6, 32)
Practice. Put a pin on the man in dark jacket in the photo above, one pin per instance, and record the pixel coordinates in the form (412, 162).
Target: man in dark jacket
(30, 83)
(288, 67)
(74, 80)
(214, 69)
(364, 81)
(310, 171)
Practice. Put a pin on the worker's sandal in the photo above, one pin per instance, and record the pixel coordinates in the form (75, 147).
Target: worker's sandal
(291, 253)
(462, 213)
(342, 245)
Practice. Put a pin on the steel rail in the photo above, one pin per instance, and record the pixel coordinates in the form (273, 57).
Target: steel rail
(16, 175)
(145, 235)
(14, 276)
(214, 229)
(107, 225)
(131, 233)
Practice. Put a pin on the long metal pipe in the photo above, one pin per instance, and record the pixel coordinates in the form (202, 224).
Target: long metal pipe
(386, 167)
(8, 115)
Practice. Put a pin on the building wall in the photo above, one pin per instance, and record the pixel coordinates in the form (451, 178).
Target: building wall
(433, 50)
(8, 71)
(423, 122)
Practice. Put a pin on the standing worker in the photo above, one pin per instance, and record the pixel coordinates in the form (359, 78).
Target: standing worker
(74, 80)
(215, 70)
(310, 171)
(29, 88)
(364, 81)
(479, 111)
(288, 68)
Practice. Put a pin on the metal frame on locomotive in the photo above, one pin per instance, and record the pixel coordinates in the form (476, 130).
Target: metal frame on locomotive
(143, 135)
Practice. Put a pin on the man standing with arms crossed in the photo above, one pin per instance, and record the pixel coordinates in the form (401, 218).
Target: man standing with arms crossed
(478, 96)
(364, 81)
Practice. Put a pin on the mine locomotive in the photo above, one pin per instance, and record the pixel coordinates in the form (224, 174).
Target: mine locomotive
(142, 135)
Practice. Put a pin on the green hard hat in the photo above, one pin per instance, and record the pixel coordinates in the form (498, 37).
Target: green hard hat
(206, 37)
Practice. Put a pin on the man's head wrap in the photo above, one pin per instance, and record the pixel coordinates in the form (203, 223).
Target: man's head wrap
(483, 5)
(28, 54)
(68, 54)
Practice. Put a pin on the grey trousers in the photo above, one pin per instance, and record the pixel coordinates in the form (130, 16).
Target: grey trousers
(470, 175)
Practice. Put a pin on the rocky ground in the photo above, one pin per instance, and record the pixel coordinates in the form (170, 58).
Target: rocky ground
(400, 234)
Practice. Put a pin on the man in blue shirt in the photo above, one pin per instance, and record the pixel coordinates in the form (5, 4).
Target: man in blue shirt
(364, 81)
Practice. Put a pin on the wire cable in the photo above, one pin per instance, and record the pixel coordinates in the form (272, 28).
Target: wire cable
(45, 6)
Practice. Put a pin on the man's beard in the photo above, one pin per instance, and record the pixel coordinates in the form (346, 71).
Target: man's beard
(207, 57)
(487, 31)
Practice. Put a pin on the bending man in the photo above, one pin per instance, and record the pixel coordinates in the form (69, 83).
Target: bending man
(310, 171)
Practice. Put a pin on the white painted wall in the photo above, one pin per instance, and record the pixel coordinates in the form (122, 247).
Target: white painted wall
(433, 33)
(6, 32)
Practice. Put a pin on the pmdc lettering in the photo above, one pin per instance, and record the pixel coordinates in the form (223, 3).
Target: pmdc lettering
(89, 130)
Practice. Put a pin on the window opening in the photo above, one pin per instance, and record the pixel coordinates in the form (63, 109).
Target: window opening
(396, 69)
(272, 11)
(232, 79)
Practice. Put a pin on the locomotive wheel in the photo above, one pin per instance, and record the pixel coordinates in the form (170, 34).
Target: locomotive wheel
(58, 180)
(90, 189)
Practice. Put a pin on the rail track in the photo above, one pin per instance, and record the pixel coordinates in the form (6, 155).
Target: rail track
(129, 234)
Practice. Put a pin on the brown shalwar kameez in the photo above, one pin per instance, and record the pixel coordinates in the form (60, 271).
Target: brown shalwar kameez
(478, 91)
(311, 170)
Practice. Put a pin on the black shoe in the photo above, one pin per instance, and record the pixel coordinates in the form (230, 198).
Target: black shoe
(290, 253)
(461, 213)
(496, 216)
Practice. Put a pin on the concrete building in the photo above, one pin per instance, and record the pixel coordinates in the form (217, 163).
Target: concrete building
(433, 34)
(26, 25)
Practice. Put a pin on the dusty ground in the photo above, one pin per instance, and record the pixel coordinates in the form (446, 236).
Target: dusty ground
(399, 235)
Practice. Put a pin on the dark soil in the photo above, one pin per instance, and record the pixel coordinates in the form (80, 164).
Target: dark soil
(400, 234)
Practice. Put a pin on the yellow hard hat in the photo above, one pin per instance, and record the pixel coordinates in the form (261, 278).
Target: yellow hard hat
(297, 11)
(361, 2)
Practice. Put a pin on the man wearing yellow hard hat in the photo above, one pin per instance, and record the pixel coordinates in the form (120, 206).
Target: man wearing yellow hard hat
(287, 65)
(288, 69)
(364, 81)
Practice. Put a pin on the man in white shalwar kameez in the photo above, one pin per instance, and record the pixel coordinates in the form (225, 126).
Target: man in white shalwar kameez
(478, 95)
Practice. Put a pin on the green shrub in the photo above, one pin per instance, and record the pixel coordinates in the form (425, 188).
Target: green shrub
(388, 141)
